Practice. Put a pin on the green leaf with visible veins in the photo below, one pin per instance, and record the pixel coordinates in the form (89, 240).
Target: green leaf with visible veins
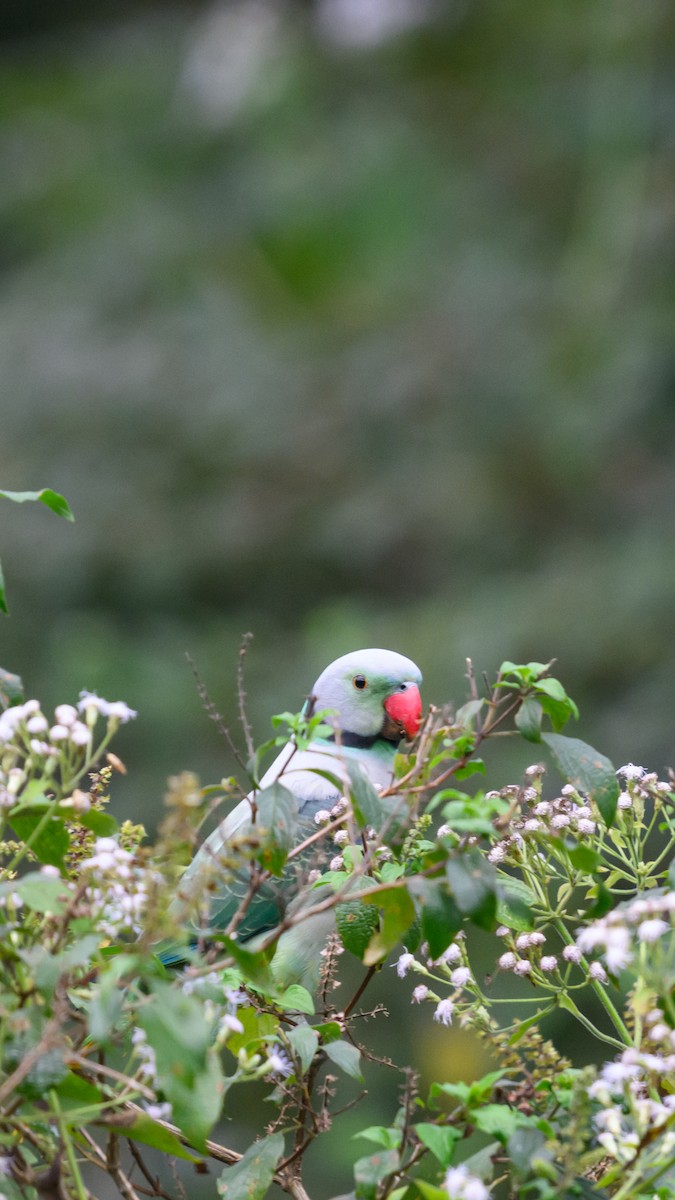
(587, 770)
(398, 914)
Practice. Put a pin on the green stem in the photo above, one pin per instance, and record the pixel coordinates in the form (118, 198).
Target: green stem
(600, 993)
(70, 1149)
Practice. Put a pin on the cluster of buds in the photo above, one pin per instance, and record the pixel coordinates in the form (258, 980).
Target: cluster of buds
(569, 813)
(118, 888)
(451, 969)
(30, 741)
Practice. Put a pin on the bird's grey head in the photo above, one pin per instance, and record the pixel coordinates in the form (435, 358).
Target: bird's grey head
(372, 694)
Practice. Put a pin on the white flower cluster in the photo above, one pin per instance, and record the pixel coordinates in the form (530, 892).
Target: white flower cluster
(460, 1185)
(28, 739)
(570, 812)
(118, 890)
(630, 1115)
(458, 976)
(645, 920)
(525, 955)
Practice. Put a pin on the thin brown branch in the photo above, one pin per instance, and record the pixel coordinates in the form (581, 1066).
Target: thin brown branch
(241, 695)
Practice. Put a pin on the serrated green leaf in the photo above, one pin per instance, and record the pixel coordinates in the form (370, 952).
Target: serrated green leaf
(440, 1140)
(346, 1057)
(473, 884)
(356, 923)
(304, 1041)
(528, 719)
(52, 499)
(296, 998)
(588, 770)
(252, 1176)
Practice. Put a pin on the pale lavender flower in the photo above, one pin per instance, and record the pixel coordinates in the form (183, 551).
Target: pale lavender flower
(549, 962)
(404, 964)
(420, 993)
(507, 962)
(337, 863)
(630, 771)
(560, 821)
(66, 714)
(523, 967)
(37, 724)
(572, 954)
(460, 976)
(502, 931)
(497, 853)
(586, 826)
(322, 817)
(597, 971)
(652, 930)
(625, 800)
(444, 1010)
(459, 1185)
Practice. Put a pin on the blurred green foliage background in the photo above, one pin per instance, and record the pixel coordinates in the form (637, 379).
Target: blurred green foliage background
(348, 323)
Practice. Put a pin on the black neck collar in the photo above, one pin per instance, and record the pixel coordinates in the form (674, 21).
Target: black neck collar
(357, 741)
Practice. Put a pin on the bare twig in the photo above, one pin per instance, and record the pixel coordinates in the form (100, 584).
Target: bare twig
(115, 1169)
(241, 695)
(215, 716)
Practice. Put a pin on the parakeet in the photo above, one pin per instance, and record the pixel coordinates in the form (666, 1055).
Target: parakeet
(373, 700)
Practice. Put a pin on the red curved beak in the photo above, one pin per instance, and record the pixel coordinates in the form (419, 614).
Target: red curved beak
(405, 708)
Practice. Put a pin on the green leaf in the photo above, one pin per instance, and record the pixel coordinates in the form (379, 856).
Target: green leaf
(277, 820)
(252, 1176)
(39, 892)
(583, 858)
(441, 918)
(148, 1132)
(524, 1145)
(499, 1120)
(382, 1135)
(528, 719)
(365, 800)
(188, 1070)
(254, 964)
(440, 1140)
(523, 1026)
(368, 1172)
(103, 824)
(468, 712)
(51, 844)
(552, 688)
(75, 1092)
(515, 902)
(346, 1057)
(296, 998)
(430, 1191)
(473, 882)
(356, 923)
(105, 1007)
(398, 914)
(53, 500)
(11, 686)
(588, 771)
(304, 1042)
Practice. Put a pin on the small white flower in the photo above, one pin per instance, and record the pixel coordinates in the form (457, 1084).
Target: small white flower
(523, 967)
(529, 795)
(659, 1033)
(66, 714)
(322, 817)
(460, 976)
(560, 821)
(597, 971)
(443, 831)
(79, 734)
(231, 1024)
(59, 733)
(502, 931)
(651, 931)
(337, 863)
(549, 962)
(572, 954)
(534, 771)
(523, 941)
(279, 1063)
(159, 1112)
(543, 809)
(50, 872)
(451, 954)
(404, 964)
(37, 724)
(497, 853)
(461, 1186)
(119, 711)
(507, 962)
(537, 938)
(586, 826)
(532, 825)
(625, 800)
(630, 771)
(568, 790)
(443, 1012)
(420, 993)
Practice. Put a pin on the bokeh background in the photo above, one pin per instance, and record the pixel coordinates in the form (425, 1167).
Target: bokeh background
(346, 322)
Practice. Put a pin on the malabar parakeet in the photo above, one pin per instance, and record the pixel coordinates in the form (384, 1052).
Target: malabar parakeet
(372, 700)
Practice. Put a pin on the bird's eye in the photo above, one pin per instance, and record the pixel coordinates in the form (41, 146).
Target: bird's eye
(360, 682)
